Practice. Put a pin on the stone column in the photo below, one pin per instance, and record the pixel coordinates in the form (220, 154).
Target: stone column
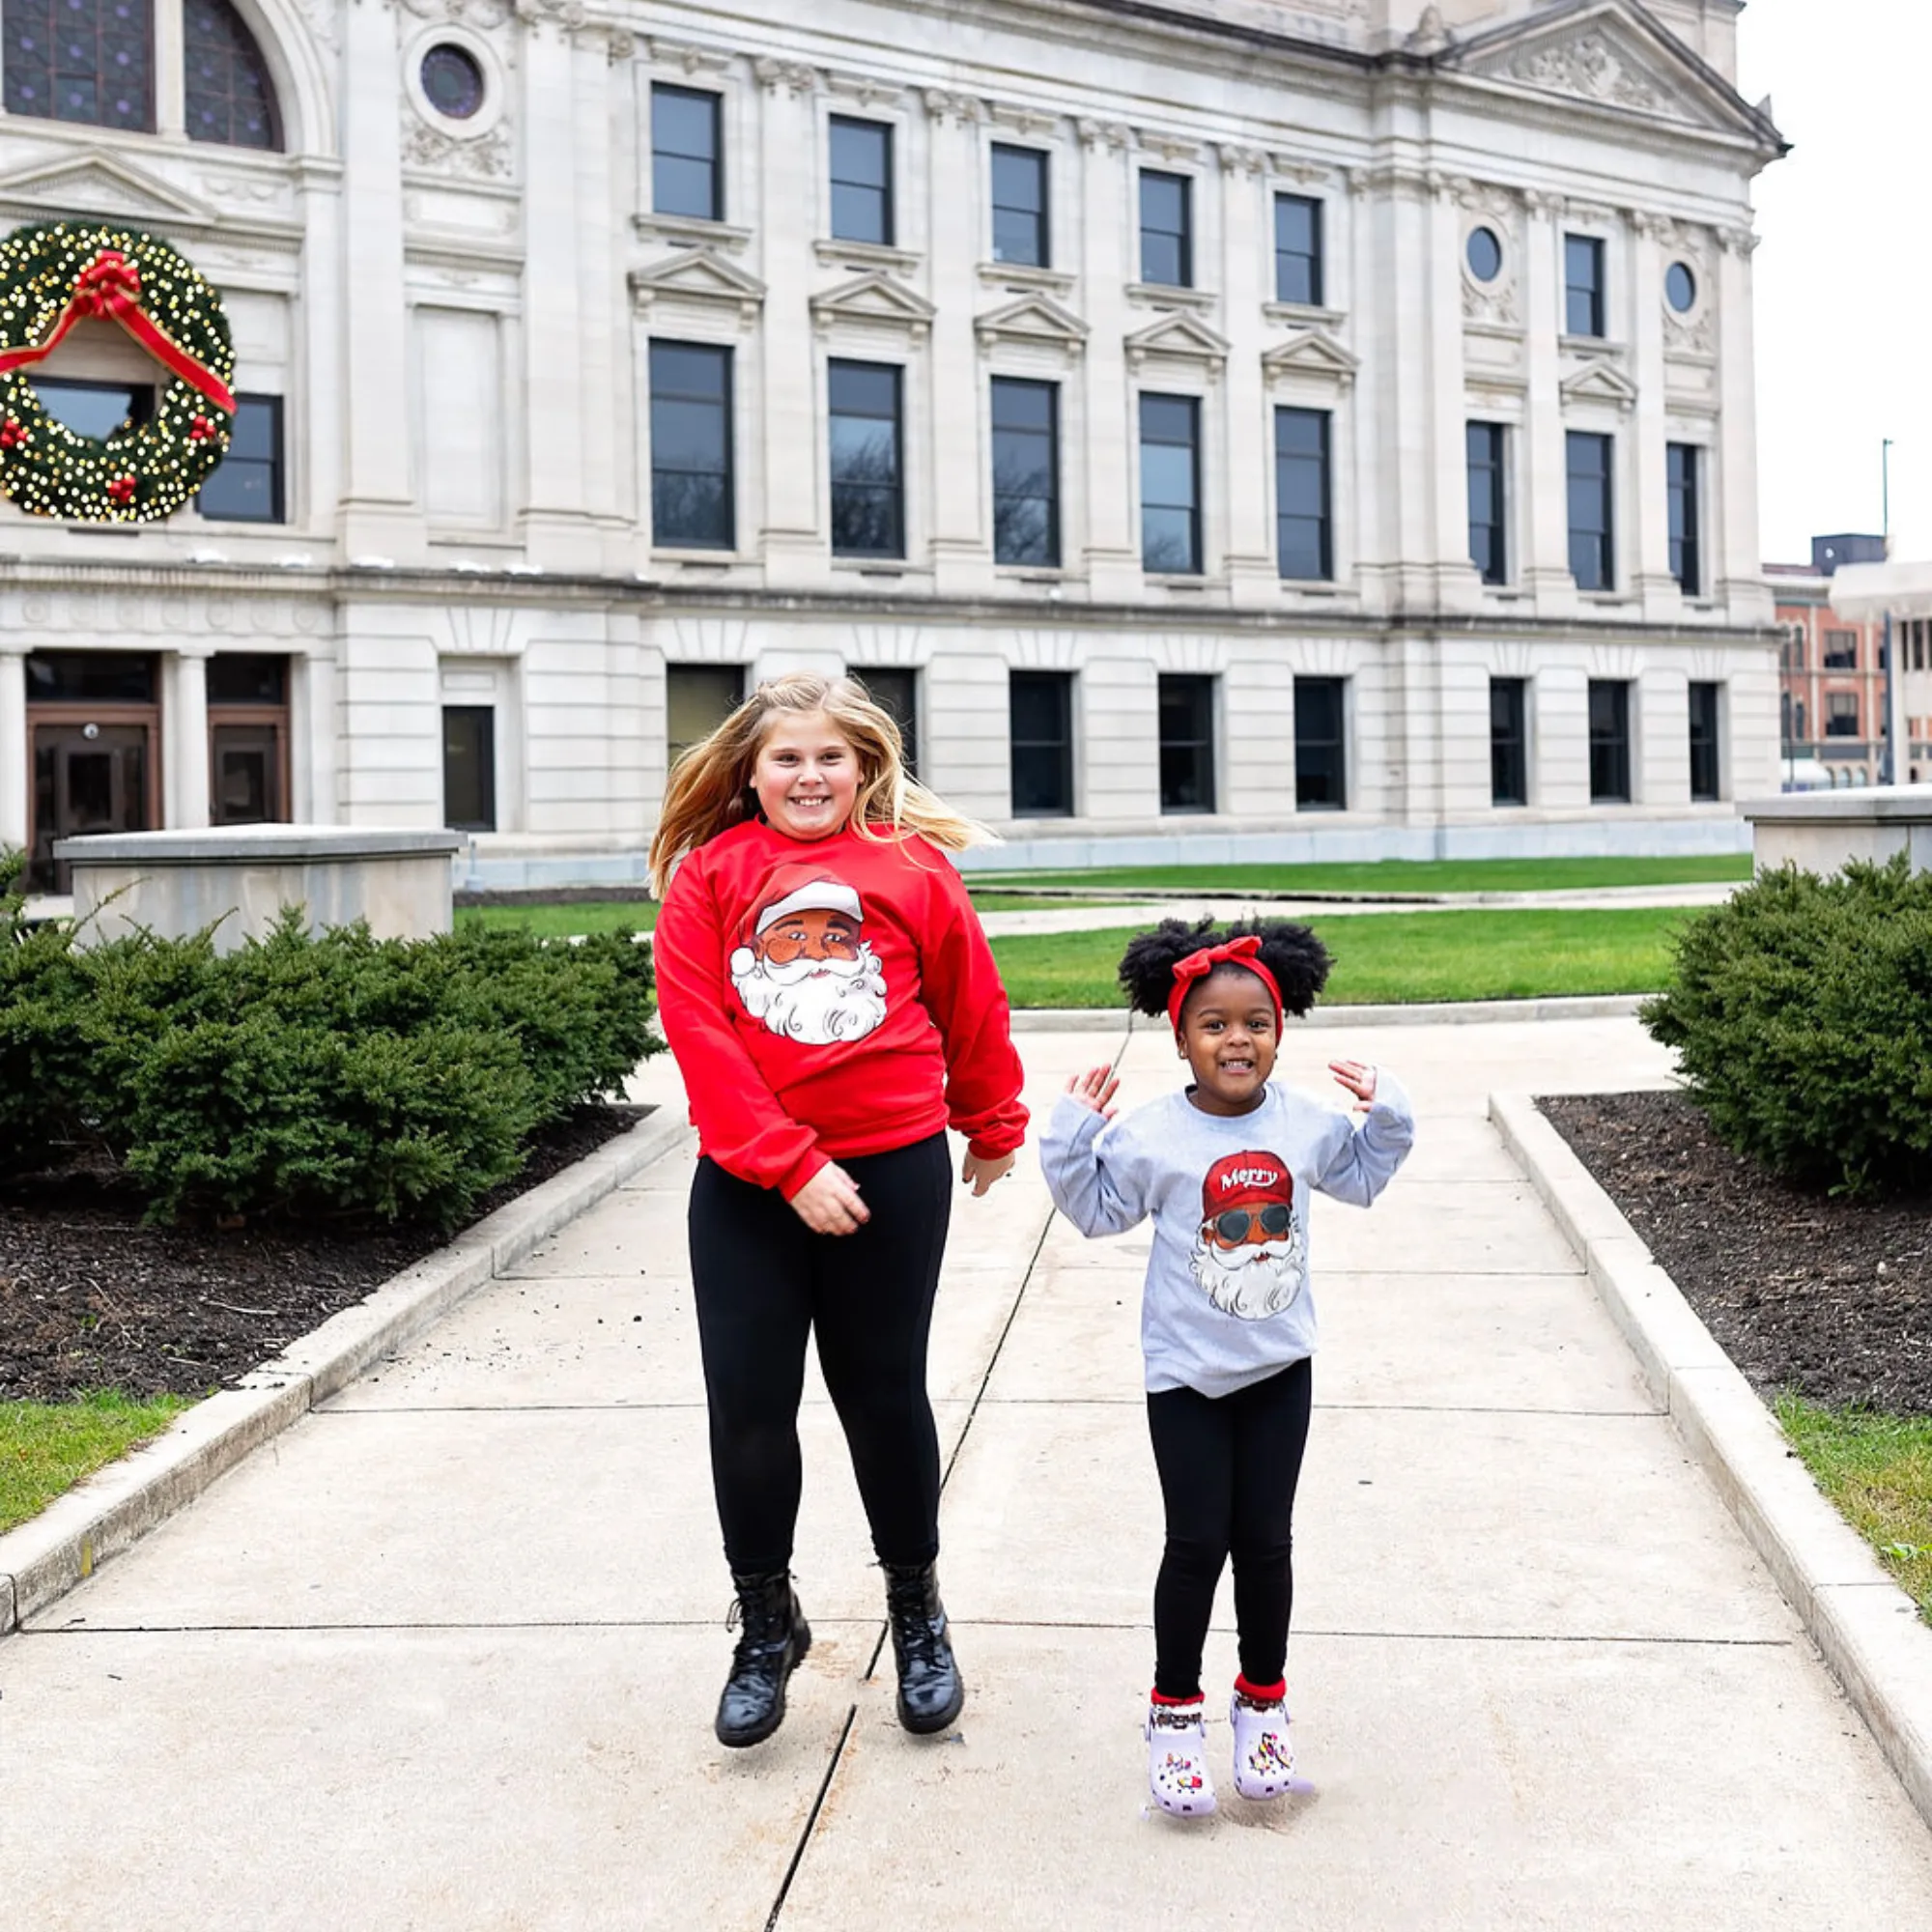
(15, 753)
(312, 727)
(1248, 422)
(186, 768)
(794, 453)
(1648, 515)
(961, 546)
(1458, 586)
(170, 72)
(1113, 543)
(379, 514)
(1545, 484)
(607, 407)
(1736, 577)
(315, 478)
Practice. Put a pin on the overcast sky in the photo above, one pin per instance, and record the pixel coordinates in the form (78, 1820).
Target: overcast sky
(1844, 328)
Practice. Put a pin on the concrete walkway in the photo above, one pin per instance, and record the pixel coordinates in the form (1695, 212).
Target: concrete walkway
(445, 1654)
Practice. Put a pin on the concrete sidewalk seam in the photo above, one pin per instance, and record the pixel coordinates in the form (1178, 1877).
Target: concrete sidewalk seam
(1867, 1628)
(46, 1558)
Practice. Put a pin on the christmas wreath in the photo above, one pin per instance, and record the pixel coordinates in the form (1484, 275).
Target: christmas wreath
(54, 276)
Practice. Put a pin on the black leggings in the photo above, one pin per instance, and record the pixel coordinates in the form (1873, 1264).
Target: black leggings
(1229, 1465)
(762, 1281)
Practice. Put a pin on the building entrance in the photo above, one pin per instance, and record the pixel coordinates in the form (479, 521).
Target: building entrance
(93, 724)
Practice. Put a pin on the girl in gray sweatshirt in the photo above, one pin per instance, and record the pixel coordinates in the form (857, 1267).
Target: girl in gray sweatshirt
(1225, 1168)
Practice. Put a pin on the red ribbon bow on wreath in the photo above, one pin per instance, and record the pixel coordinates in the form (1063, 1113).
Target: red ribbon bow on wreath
(122, 489)
(110, 287)
(13, 431)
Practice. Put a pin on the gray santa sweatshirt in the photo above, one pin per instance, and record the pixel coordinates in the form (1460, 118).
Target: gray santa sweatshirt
(1227, 1300)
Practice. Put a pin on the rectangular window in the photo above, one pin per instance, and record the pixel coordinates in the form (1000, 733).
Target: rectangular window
(1303, 545)
(1841, 650)
(94, 408)
(1592, 539)
(1042, 703)
(687, 152)
(470, 767)
(698, 699)
(1167, 230)
(1297, 250)
(895, 692)
(247, 738)
(1320, 752)
(1704, 773)
(868, 490)
(93, 65)
(1186, 744)
(246, 486)
(1841, 714)
(1582, 285)
(1020, 232)
(1681, 463)
(862, 180)
(1026, 472)
(1509, 741)
(1487, 445)
(692, 489)
(1609, 743)
(1170, 485)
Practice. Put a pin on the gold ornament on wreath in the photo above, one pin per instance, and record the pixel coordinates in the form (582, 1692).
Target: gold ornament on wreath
(54, 276)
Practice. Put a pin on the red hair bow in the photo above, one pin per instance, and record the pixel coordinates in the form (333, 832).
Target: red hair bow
(1246, 951)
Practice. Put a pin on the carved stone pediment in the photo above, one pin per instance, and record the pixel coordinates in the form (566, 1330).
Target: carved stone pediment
(1601, 382)
(877, 301)
(97, 182)
(1313, 352)
(1036, 321)
(1178, 338)
(699, 275)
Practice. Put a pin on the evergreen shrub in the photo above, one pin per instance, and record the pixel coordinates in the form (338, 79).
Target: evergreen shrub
(1802, 1014)
(330, 1073)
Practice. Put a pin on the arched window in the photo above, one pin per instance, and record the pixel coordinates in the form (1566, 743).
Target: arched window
(95, 61)
(81, 60)
(229, 97)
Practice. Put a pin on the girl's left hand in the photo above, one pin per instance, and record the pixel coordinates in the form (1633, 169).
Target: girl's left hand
(1358, 1079)
(979, 1175)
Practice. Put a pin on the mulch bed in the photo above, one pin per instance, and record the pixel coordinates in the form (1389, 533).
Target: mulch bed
(1827, 1297)
(91, 1299)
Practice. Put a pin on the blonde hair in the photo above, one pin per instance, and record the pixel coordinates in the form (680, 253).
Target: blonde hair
(710, 786)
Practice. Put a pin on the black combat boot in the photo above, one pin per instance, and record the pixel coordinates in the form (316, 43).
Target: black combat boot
(931, 1691)
(771, 1645)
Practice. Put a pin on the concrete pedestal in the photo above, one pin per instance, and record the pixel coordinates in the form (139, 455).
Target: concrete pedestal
(1823, 832)
(175, 883)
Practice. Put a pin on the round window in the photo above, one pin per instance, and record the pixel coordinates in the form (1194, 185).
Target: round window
(1486, 254)
(1680, 288)
(452, 81)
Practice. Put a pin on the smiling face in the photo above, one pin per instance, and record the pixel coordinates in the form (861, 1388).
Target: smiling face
(1228, 1038)
(806, 776)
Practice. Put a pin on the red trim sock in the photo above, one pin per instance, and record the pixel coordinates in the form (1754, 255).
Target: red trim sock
(1261, 1693)
(1199, 1697)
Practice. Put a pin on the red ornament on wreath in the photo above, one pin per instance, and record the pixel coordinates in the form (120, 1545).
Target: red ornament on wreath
(52, 277)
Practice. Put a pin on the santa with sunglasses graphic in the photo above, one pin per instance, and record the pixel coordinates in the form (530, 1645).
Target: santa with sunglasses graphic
(1249, 1259)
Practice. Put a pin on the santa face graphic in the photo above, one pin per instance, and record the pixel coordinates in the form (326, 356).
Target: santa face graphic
(1248, 1257)
(806, 970)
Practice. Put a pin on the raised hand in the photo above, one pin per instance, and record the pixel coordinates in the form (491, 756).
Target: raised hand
(1359, 1079)
(1094, 1090)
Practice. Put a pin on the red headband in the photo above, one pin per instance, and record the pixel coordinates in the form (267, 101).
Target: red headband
(1243, 951)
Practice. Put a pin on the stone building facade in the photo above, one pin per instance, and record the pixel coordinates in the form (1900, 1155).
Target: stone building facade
(1270, 427)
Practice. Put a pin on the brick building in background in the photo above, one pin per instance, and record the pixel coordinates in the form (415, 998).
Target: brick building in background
(1832, 676)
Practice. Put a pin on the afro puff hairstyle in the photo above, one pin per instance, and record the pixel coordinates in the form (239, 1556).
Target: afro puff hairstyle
(1297, 960)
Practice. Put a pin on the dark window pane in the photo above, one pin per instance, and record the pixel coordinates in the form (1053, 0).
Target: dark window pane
(88, 61)
(89, 677)
(864, 437)
(246, 486)
(452, 81)
(1026, 472)
(1167, 254)
(470, 767)
(895, 692)
(244, 677)
(1302, 537)
(1609, 743)
(1297, 250)
(1186, 744)
(94, 408)
(1485, 254)
(1320, 767)
(1592, 546)
(698, 699)
(1021, 206)
(692, 489)
(1508, 752)
(1169, 485)
(1681, 465)
(1041, 714)
(1488, 539)
(1704, 781)
(862, 180)
(229, 96)
(687, 177)
(1680, 287)
(1583, 285)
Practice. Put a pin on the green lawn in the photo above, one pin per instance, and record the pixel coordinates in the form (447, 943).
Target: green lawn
(46, 1448)
(1878, 1471)
(1504, 955)
(564, 922)
(1405, 875)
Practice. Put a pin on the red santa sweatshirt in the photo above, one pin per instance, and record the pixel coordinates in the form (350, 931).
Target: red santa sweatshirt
(832, 998)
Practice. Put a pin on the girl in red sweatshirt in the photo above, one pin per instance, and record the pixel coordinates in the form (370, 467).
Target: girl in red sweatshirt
(834, 1008)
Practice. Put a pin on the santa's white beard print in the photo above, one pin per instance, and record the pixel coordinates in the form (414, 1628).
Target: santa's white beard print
(815, 1001)
(1253, 1281)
